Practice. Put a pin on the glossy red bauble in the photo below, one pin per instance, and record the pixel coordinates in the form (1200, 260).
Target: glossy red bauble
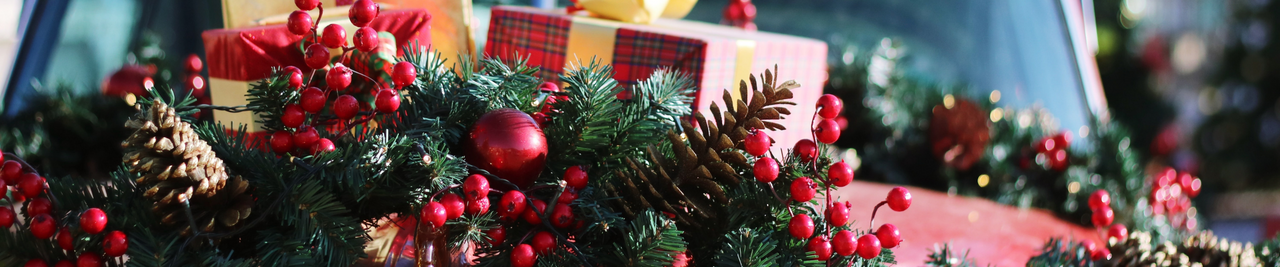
(193, 63)
(42, 226)
(523, 256)
(305, 137)
(12, 171)
(803, 189)
(363, 12)
(475, 187)
(346, 107)
(294, 75)
(806, 150)
(88, 259)
(827, 131)
(36, 263)
(575, 177)
(93, 221)
(840, 174)
(1119, 232)
(829, 106)
(6, 217)
(868, 246)
(478, 206)
(889, 235)
(64, 239)
(844, 243)
(306, 4)
(899, 198)
(838, 213)
(531, 213)
(333, 36)
(300, 22)
(800, 226)
(820, 246)
(317, 56)
(313, 100)
(387, 101)
(496, 235)
(512, 204)
(453, 206)
(756, 143)
(543, 242)
(366, 39)
(1103, 217)
(509, 144)
(293, 116)
(562, 216)
(1099, 199)
(434, 213)
(338, 77)
(115, 244)
(403, 73)
(765, 169)
(39, 205)
(31, 185)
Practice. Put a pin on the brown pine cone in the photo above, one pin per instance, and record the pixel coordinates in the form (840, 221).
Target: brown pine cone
(1202, 249)
(959, 133)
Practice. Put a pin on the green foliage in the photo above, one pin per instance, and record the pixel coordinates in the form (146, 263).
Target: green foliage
(651, 240)
(945, 256)
(748, 248)
(1058, 252)
(64, 132)
(1269, 252)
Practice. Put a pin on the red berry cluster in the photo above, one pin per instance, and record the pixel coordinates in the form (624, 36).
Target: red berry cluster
(741, 14)
(1054, 150)
(1171, 194)
(32, 187)
(843, 243)
(195, 82)
(513, 207)
(338, 97)
(550, 93)
(1100, 204)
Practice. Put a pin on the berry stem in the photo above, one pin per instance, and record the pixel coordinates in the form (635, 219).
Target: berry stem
(783, 201)
(871, 224)
(437, 193)
(546, 223)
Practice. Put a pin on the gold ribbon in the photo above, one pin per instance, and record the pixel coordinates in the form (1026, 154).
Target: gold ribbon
(638, 11)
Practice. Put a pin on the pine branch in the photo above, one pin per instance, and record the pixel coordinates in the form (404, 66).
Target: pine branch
(945, 256)
(652, 240)
(267, 98)
(748, 248)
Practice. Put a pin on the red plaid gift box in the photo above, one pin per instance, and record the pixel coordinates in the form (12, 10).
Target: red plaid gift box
(715, 56)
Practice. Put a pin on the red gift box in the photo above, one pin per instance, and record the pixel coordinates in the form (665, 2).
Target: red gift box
(717, 57)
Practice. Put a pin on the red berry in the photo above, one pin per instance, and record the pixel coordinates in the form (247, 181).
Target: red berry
(803, 189)
(757, 142)
(511, 205)
(1063, 140)
(115, 244)
(12, 172)
(42, 226)
(333, 36)
(294, 75)
(324, 145)
(549, 87)
(388, 101)
(838, 213)
(1088, 245)
(6, 217)
(293, 116)
(305, 136)
(64, 239)
(575, 177)
(562, 216)
(868, 246)
(39, 205)
(403, 73)
(829, 106)
(36, 263)
(800, 226)
(434, 214)
(566, 197)
(1058, 160)
(889, 235)
(806, 150)
(1099, 199)
(1119, 232)
(765, 169)
(306, 4)
(31, 185)
(496, 235)
(476, 186)
(523, 256)
(196, 84)
(313, 100)
(65, 263)
(478, 206)
(93, 220)
(820, 246)
(363, 12)
(680, 259)
(193, 63)
(1046, 145)
(300, 22)
(1103, 217)
(346, 107)
(1166, 177)
(317, 56)
(899, 198)
(89, 260)
(1100, 254)
(17, 196)
(453, 206)
(543, 242)
(1190, 184)
(541, 118)
(840, 174)
(531, 213)
(844, 243)
(366, 39)
(338, 77)
(827, 131)
(281, 142)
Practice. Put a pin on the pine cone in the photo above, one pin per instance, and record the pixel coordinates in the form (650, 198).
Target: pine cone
(169, 156)
(1202, 249)
(959, 133)
(690, 188)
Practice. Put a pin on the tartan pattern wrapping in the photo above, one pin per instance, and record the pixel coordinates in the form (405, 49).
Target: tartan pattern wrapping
(540, 38)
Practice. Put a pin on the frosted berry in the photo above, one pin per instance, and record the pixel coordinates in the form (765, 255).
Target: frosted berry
(39, 205)
(840, 174)
(562, 216)
(820, 246)
(6, 217)
(827, 132)
(305, 136)
(366, 39)
(1103, 217)
(475, 187)
(88, 260)
(511, 205)
(93, 221)
(323, 145)
(64, 239)
(433, 213)
(889, 235)
(806, 150)
(346, 107)
(575, 177)
(193, 63)
(800, 226)
(766, 169)
(899, 198)
(299, 22)
(478, 206)
(387, 101)
(523, 256)
(803, 189)
(1099, 199)
(42, 226)
(496, 235)
(453, 205)
(531, 213)
(338, 77)
(829, 106)
(12, 171)
(313, 100)
(31, 185)
(363, 12)
(868, 246)
(294, 75)
(756, 143)
(306, 4)
(293, 116)
(568, 196)
(844, 243)
(36, 263)
(115, 244)
(333, 36)
(317, 56)
(543, 242)
(404, 73)
(1118, 231)
(838, 213)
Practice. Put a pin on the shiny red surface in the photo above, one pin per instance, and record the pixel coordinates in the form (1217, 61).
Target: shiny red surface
(509, 144)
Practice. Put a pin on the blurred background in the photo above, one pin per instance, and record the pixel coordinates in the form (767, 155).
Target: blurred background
(1194, 81)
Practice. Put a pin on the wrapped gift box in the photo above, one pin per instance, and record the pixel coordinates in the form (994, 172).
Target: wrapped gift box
(715, 56)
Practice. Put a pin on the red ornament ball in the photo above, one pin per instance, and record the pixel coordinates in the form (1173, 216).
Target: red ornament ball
(12, 171)
(317, 56)
(93, 221)
(338, 77)
(868, 246)
(840, 174)
(535, 207)
(756, 143)
(453, 205)
(889, 235)
(800, 226)
(89, 260)
(523, 256)
(293, 116)
(478, 206)
(806, 150)
(313, 100)
(64, 239)
(496, 235)
(36, 263)
(820, 246)
(1118, 231)
(363, 12)
(294, 75)
(509, 144)
(403, 73)
(346, 107)
(299, 22)
(475, 187)
(366, 39)
(575, 177)
(829, 106)
(333, 36)
(1103, 217)
(899, 199)
(387, 101)
(305, 137)
(1099, 199)
(193, 63)
(838, 213)
(6, 217)
(765, 169)
(31, 185)
(827, 132)
(324, 145)
(434, 213)
(42, 226)
(511, 205)
(562, 216)
(844, 243)
(306, 4)
(115, 244)
(543, 242)
(803, 189)
(39, 205)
